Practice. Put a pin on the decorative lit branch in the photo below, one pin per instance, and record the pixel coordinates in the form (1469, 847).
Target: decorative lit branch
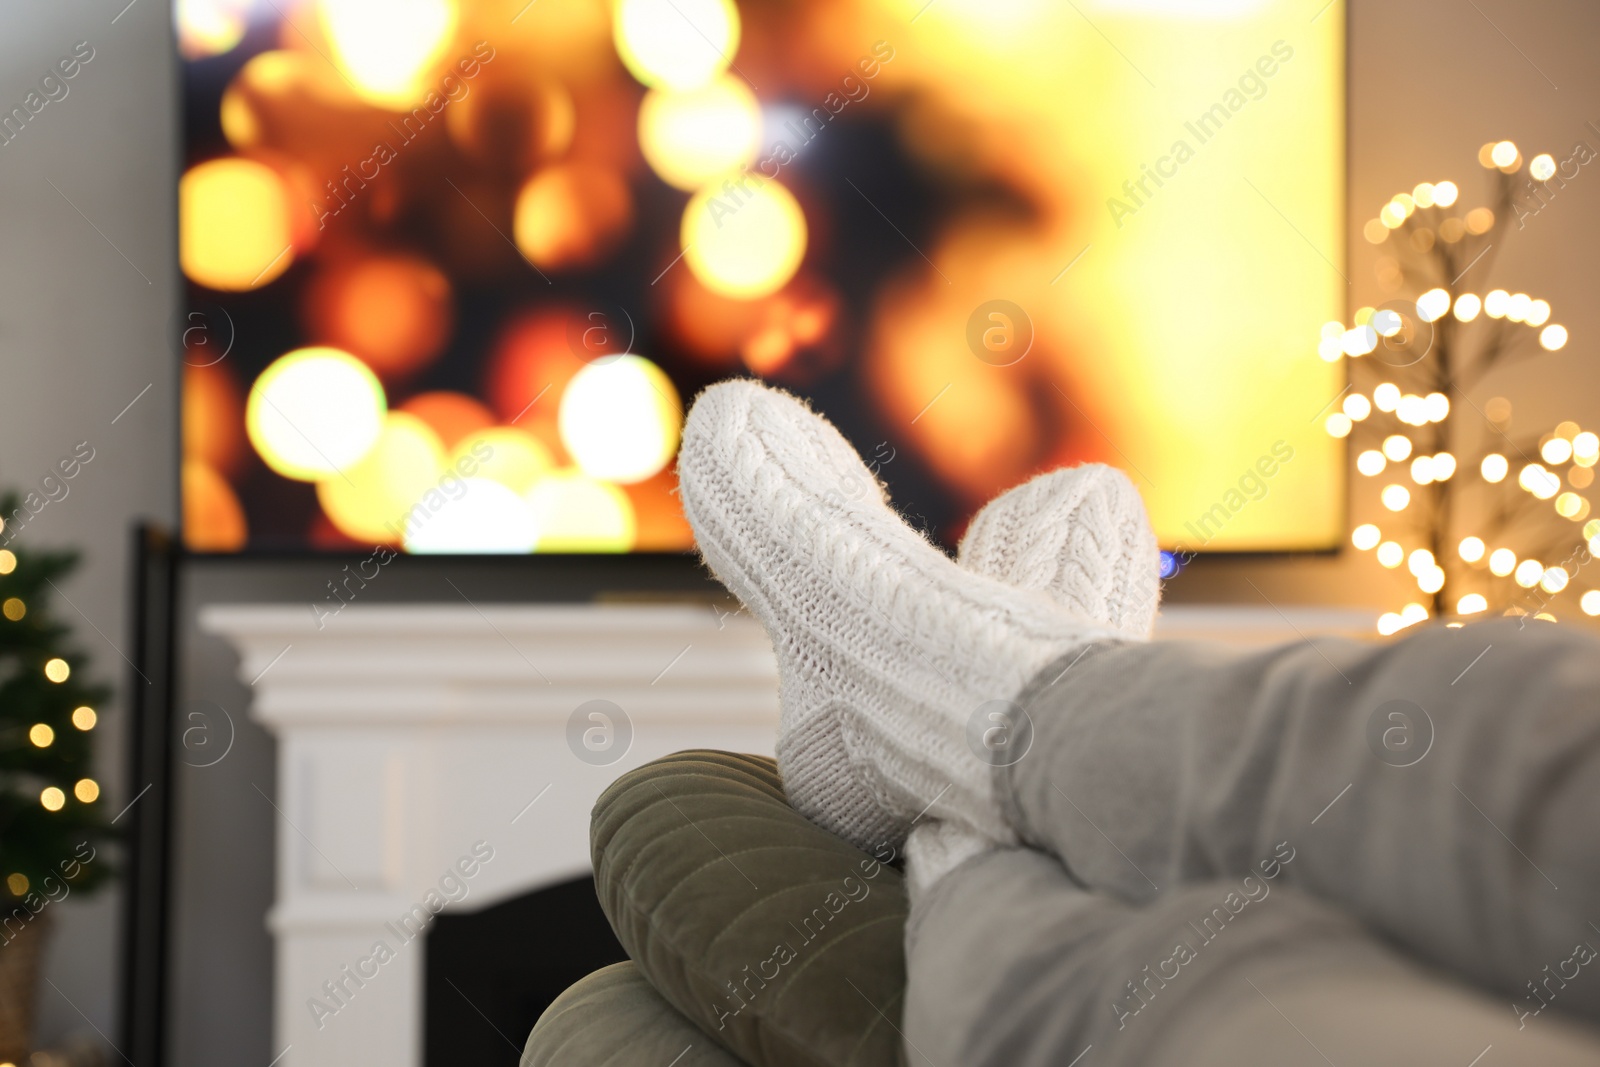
(1412, 362)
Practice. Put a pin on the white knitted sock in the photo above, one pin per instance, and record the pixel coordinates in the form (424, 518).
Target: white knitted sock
(896, 667)
(934, 849)
(1081, 535)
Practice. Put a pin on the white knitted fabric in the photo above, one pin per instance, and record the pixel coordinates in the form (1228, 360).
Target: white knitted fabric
(1081, 535)
(934, 849)
(887, 651)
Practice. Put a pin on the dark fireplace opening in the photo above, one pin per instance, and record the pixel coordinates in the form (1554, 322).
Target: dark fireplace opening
(491, 973)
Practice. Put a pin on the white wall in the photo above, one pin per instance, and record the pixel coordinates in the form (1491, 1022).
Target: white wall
(82, 327)
(82, 321)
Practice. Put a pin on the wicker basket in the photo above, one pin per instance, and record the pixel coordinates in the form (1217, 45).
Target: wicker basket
(20, 959)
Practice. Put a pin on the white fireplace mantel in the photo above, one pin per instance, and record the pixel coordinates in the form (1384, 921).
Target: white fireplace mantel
(411, 735)
(407, 734)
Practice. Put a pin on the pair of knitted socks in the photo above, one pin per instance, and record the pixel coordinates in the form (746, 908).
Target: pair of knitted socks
(897, 666)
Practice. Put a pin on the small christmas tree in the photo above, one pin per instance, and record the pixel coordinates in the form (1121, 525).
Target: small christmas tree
(51, 809)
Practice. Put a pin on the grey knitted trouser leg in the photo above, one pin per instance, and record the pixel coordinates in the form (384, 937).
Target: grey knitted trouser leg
(1443, 789)
(1442, 792)
(1010, 964)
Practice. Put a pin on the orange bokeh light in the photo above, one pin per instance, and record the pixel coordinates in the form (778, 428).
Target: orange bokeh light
(528, 369)
(659, 522)
(266, 103)
(235, 227)
(791, 339)
(453, 416)
(213, 417)
(213, 520)
(394, 312)
(711, 326)
(369, 500)
(571, 215)
(514, 458)
(974, 427)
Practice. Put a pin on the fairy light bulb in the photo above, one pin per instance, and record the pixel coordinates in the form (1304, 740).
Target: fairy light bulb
(1396, 497)
(1391, 555)
(1366, 536)
(1371, 462)
(1397, 447)
(1432, 305)
(1495, 467)
(1502, 561)
(1471, 604)
(1471, 549)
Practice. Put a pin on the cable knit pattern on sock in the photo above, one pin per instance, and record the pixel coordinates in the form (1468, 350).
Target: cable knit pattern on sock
(885, 647)
(1080, 534)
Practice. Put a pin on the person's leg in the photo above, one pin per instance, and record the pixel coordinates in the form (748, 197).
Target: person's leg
(1443, 788)
(898, 671)
(1011, 964)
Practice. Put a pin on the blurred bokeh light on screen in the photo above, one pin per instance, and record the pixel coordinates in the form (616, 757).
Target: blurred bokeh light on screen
(506, 455)
(314, 412)
(620, 419)
(577, 513)
(571, 216)
(691, 136)
(678, 44)
(210, 27)
(385, 47)
(394, 312)
(745, 243)
(369, 499)
(234, 225)
(476, 516)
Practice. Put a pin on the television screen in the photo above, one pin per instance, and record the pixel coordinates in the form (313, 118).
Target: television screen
(455, 268)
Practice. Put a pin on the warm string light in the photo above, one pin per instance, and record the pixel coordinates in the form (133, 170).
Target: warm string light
(1398, 420)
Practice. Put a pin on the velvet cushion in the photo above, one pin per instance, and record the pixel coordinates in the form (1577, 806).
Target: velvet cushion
(778, 939)
(614, 1017)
